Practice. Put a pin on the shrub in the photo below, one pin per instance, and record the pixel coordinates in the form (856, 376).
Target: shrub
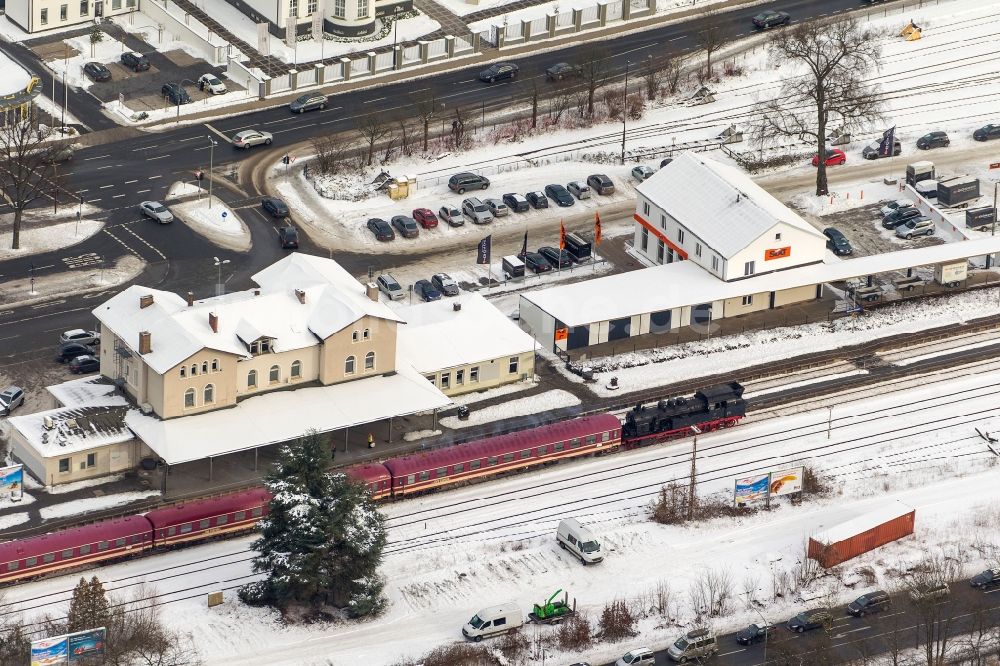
(617, 622)
(574, 633)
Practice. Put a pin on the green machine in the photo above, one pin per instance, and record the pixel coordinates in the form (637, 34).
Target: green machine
(553, 612)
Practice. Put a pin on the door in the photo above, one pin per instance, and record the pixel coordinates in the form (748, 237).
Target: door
(99, 8)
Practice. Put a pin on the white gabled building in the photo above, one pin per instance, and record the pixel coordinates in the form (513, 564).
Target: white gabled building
(714, 215)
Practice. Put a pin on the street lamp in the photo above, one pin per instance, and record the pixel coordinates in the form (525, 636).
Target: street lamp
(767, 627)
(624, 109)
(395, 34)
(211, 158)
(219, 263)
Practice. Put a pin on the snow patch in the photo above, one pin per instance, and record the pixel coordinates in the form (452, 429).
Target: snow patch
(87, 504)
(414, 435)
(541, 402)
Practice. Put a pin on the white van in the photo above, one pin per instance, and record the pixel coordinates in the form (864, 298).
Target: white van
(493, 621)
(580, 541)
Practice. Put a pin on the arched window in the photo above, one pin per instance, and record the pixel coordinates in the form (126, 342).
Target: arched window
(194, 369)
(354, 336)
(275, 374)
(189, 398)
(349, 366)
(204, 367)
(209, 394)
(370, 361)
(215, 365)
(183, 371)
(296, 369)
(252, 379)
(367, 334)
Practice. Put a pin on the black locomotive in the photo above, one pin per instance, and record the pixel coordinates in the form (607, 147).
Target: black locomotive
(719, 406)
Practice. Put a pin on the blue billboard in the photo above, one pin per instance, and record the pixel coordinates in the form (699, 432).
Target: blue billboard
(82, 647)
(12, 482)
(752, 488)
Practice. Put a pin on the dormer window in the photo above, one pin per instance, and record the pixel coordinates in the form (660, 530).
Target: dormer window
(262, 346)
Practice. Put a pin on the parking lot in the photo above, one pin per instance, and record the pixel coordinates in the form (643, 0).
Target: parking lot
(863, 228)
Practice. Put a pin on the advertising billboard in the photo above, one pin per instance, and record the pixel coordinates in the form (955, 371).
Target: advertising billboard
(752, 488)
(11, 482)
(82, 647)
(786, 481)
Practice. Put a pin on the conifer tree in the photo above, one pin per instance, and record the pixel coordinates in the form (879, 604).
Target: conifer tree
(89, 607)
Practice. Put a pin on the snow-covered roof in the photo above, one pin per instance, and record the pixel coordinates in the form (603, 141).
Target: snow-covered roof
(83, 392)
(283, 415)
(301, 301)
(862, 523)
(684, 283)
(436, 336)
(718, 203)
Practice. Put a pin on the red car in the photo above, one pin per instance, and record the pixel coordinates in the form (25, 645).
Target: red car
(833, 157)
(425, 217)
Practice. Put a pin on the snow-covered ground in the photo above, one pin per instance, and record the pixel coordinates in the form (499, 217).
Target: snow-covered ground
(87, 504)
(107, 50)
(13, 78)
(217, 223)
(41, 232)
(535, 404)
(463, 7)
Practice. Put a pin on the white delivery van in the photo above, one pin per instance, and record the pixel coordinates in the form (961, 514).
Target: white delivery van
(493, 621)
(580, 541)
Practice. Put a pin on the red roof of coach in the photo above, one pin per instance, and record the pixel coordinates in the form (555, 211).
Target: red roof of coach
(106, 530)
(208, 508)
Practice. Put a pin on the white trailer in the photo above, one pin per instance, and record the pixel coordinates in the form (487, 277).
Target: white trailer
(951, 274)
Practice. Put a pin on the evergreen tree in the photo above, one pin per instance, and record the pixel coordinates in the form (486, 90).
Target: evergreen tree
(89, 607)
(322, 538)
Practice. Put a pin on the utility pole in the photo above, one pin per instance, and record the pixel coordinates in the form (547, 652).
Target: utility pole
(624, 109)
(211, 159)
(694, 472)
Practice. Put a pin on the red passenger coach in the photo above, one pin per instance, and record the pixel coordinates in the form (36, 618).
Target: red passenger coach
(205, 518)
(495, 455)
(74, 547)
(375, 476)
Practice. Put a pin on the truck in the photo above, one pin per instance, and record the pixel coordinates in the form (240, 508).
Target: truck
(553, 612)
(957, 191)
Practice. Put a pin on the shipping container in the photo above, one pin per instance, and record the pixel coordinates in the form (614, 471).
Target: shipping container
(862, 534)
(951, 275)
(957, 191)
(919, 171)
(979, 217)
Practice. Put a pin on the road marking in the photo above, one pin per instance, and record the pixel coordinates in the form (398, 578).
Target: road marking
(154, 177)
(81, 191)
(145, 242)
(89, 259)
(104, 187)
(122, 243)
(110, 166)
(99, 157)
(851, 631)
(155, 145)
(45, 305)
(9, 337)
(723, 654)
(118, 196)
(143, 191)
(674, 39)
(150, 159)
(218, 133)
(129, 182)
(374, 100)
(39, 268)
(100, 293)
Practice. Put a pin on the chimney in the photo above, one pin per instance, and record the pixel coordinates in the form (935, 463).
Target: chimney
(213, 321)
(456, 306)
(190, 298)
(145, 301)
(301, 295)
(256, 292)
(145, 342)
(371, 290)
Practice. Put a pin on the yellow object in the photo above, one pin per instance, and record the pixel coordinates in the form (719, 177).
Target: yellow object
(905, 32)
(914, 36)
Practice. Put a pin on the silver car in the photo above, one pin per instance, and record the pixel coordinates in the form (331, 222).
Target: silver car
(497, 207)
(579, 189)
(12, 397)
(389, 286)
(641, 173)
(81, 336)
(918, 226)
(476, 211)
(451, 215)
(251, 137)
(154, 210)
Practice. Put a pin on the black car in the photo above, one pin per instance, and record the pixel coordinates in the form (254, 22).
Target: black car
(274, 207)
(498, 72)
(289, 238)
(837, 242)
(84, 364)
(558, 258)
(873, 602)
(70, 350)
(406, 226)
(933, 140)
(445, 284)
(536, 262)
(97, 72)
(175, 93)
(987, 133)
(770, 18)
(425, 290)
(755, 633)
(135, 61)
(381, 229)
(810, 619)
(665, 161)
(986, 579)
(538, 199)
(560, 195)
(562, 70)
(516, 202)
(601, 184)
(899, 217)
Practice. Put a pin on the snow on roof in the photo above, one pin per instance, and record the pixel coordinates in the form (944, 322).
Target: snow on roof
(718, 203)
(13, 77)
(684, 283)
(84, 392)
(862, 523)
(284, 415)
(75, 429)
(437, 337)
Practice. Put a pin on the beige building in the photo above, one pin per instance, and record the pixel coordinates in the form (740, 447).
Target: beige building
(41, 15)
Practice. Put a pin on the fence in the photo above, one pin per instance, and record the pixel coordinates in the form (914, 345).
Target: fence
(195, 34)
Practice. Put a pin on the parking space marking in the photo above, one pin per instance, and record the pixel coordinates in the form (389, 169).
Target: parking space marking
(217, 133)
(144, 241)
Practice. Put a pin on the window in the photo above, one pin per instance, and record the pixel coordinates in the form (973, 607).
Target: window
(663, 221)
(367, 335)
(474, 374)
(441, 472)
(312, 6)
(84, 7)
(543, 450)
(475, 464)
(262, 346)
(116, 4)
(194, 369)
(293, 8)
(370, 361)
(432, 379)
(349, 366)
(697, 249)
(186, 527)
(130, 3)
(645, 207)
(459, 377)
(204, 367)
(410, 479)
(63, 465)
(591, 439)
(274, 375)
(777, 237)
(189, 398)
(183, 371)
(659, 251)
(209, 394)
(362, 8)
(222, 520)
(499, 622)
(63, 11)
(338, 8)
(91, 459)
(748, 300)
(680, 235)
(119, 543)
(48, 557)
(558, 446)
(445, 381)
(748, 268)
(524, 454)
(257, 512)
(354, 336)
(492, 460)
(644, 239)
(31, 561)
(11, 566)
(715, 263)
(240, 515)
(215, 365)
(296, 369)
(45, 16)
(574, 443)
(424, 476)
(512, 365)
(508, 457)
(204, 524)
(102, 545)
(85, 549)
(458, 469)
(252, 379)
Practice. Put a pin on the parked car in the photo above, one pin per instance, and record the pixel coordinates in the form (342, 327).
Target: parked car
(389, 286)
(425, 217)
(837, 242)
(899, 216)
(872, 602)
(154, 210)
(637, 657)
(443, 283)
(917, 226)
(986, 579)
(562, 70)
(642, 172)
(175, 93)
(461, 182)
(578, 189)
(697, 644)
(308, 102)
(11, 398)
(70, 350)
(135, 61)
(426, 291)
(893, 205)
(933, 140)
(498, 72)
(536, 262)
(987, 133)
(382, 230)
(274, 207)
(497, 207)
(871, 150)
(558, 258)
(770, 18)
(84, 364)
(289, 238)
(665, 161)
(250, 138)
(810, 619)
(930, 592)
(537, 199)
(212, 84)
(81, 336)
(406, 226)
(601, 184)
(97, 72)
(834, 156)
(451, 215)
(516, 202)
(755, 633)
(476, 211)
(559, 194)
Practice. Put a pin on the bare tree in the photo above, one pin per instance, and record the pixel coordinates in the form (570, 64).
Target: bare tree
(372, 128)
(426, 107)
(532, 86)
(935, 614)
(711, 593)
(558, 105)
(710, 35)
(594, 72)
(458, 128)
(331, 150)
(27, 167)
(837, 58)
(660, 71)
